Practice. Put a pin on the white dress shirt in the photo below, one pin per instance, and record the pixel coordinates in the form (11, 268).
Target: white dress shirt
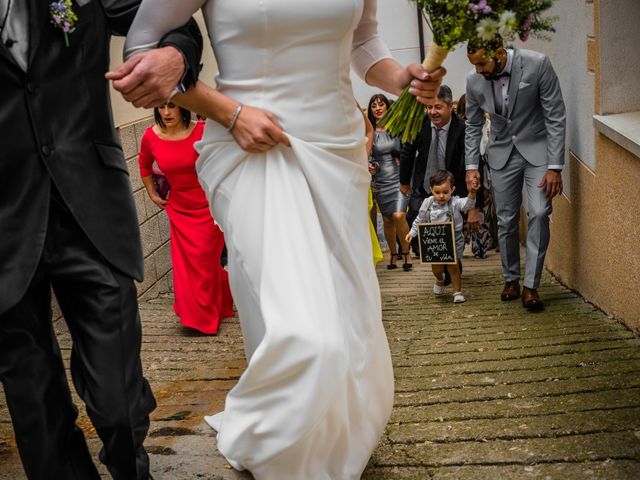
(15, 32)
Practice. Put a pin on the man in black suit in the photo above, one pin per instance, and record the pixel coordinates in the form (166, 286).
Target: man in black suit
(68, 223)
(420, 159)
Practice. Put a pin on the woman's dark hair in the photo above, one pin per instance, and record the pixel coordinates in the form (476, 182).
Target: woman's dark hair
(461, 109)
(383, 99)
(440, 177)
(184, 114)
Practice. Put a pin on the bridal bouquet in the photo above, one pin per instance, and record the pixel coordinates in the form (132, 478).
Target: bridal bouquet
(453, 22)
(508, 19)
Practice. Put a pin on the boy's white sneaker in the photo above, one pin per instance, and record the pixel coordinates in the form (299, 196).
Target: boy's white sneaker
(458, 297)
(438, 289)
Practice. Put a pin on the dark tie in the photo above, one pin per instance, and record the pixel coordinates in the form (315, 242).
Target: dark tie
(435, 158)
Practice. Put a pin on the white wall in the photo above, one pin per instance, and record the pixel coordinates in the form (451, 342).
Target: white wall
(619, 58)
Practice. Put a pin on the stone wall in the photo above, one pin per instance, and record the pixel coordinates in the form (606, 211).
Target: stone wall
(154, 223)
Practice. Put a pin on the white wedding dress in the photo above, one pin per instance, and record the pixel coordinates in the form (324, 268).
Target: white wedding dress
(318, 390)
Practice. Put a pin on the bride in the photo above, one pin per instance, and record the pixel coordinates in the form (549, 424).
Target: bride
(283, 164)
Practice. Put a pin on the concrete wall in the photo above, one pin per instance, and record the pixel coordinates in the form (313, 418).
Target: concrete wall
(594, 228)
(154, 223)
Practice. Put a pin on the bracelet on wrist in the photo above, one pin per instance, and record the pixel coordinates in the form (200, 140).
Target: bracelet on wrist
(234, 117)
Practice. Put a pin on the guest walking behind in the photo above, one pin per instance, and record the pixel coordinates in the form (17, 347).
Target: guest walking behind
(439, 146)
(200, 284)
(443, 207)
(392, 203)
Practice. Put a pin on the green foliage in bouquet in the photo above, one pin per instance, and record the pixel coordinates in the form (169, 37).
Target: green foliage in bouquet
(450, 21)
(451, 24)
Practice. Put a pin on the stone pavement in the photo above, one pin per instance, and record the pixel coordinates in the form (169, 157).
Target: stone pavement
(483, 389)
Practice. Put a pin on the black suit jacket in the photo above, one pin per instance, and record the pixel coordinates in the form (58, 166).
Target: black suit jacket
(57, 126)
(454, 158)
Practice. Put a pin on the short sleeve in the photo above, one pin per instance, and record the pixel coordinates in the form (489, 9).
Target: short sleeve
(145, 157)
(368, 48)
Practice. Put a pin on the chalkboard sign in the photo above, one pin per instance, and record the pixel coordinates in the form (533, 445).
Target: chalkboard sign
(437, 243)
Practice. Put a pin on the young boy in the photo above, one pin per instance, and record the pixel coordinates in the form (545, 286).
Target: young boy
(443, 207)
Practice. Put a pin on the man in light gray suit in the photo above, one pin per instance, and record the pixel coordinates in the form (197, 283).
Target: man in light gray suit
(520, 91)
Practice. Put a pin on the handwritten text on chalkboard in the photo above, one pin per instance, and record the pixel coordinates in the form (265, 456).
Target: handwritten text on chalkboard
(437, 243)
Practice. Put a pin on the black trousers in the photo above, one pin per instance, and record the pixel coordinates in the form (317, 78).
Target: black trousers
(100, 307)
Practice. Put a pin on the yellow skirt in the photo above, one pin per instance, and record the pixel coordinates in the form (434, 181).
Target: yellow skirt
(375, 245)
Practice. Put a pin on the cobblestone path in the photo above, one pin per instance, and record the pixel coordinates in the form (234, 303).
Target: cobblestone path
(484, 390)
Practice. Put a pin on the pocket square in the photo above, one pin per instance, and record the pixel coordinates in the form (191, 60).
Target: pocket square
(523, 85)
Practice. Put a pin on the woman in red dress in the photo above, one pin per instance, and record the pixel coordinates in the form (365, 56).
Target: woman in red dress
(200, 284)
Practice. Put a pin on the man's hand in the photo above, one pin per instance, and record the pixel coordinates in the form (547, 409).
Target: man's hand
(553, 182)
(472, 178)
(405, 190)
(474, 219)
(148, 78)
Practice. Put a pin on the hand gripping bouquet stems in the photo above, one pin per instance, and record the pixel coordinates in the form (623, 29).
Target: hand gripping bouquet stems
(452, 23)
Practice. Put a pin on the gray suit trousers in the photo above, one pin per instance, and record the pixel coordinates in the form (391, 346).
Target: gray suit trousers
(507, 184)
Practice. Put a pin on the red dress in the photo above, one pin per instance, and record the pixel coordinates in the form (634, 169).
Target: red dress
(200, 284)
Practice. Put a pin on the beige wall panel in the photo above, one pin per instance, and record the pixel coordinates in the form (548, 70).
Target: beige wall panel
(594, 247)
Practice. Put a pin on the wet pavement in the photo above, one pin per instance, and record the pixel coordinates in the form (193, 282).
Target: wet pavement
(484, 389)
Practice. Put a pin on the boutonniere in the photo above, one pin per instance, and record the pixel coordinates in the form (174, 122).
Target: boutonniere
(63, 17)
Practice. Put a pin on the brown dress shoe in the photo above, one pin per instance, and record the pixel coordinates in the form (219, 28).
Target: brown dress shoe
(511, 291)
(531, 300)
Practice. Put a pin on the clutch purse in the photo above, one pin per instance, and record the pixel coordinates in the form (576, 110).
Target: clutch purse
(160, 183)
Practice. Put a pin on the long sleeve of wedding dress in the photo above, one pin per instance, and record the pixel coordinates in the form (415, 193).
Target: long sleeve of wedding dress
(318, 388)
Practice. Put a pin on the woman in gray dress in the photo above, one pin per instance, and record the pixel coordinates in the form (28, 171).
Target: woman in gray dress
(392, 203)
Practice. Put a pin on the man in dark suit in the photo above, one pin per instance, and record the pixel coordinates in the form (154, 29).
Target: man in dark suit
(68, 223)
(521, 92)
(420, 159)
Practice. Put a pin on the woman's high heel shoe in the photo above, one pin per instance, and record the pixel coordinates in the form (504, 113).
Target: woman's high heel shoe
(406, 266)
(392, 262)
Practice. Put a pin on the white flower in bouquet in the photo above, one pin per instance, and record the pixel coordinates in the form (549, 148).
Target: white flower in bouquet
(507, 24)
(487, 29)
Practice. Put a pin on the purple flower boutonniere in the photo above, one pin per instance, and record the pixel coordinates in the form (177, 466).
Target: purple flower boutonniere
(63, 17)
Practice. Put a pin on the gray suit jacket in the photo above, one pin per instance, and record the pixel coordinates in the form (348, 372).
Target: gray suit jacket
(535, 122)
